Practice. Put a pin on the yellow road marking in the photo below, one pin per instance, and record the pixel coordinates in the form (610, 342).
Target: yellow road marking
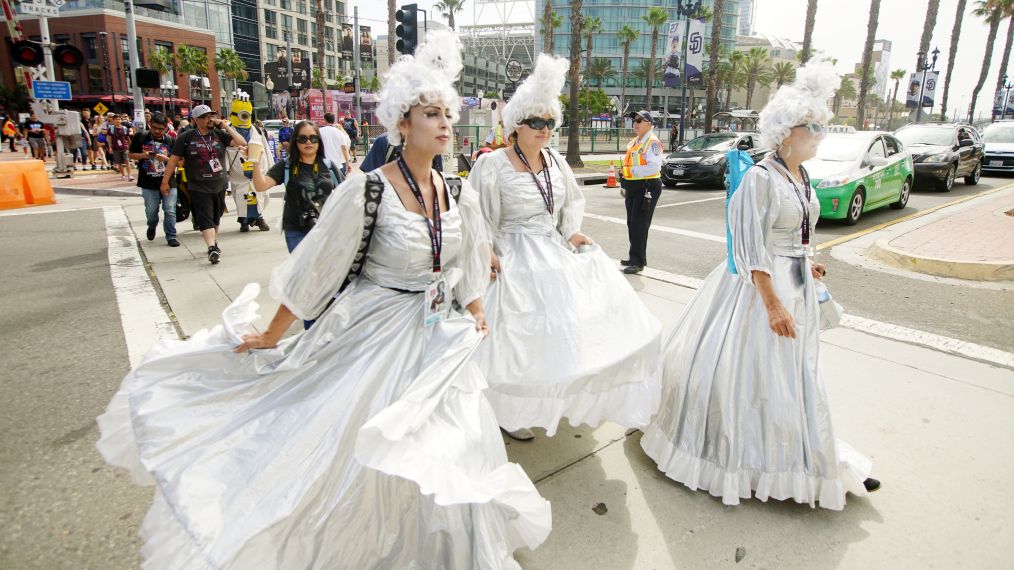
(918, 214)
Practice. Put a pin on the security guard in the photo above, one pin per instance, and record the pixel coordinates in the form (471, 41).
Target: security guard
(642, 186)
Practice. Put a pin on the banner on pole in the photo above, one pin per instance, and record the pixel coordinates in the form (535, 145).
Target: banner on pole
(365, 44)
(915, 87)
(672, 76)
(998, 106)
(347, 42)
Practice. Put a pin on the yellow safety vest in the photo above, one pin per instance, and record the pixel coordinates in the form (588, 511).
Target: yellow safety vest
(636, 156)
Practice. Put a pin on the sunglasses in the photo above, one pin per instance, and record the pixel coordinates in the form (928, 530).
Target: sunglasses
(639, 121)
(303, 139)
(814, 128)
(538, 123)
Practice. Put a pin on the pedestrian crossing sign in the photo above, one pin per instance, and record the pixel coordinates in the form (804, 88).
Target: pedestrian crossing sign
(100, 108)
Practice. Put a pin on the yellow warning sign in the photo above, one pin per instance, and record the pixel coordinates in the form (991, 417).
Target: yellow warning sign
(100, 108)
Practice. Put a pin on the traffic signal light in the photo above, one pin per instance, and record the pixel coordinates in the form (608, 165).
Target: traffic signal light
(27, 53)
(408, 28)
(68, 56)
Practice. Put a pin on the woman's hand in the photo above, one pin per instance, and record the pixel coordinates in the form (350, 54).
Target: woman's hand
(494, 266)
(817, 270)
(780, 321)
(480, 323)
(579, 239)
(253, 341)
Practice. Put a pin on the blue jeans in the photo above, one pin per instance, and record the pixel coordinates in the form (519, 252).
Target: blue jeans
(152, 200)
(292, 239)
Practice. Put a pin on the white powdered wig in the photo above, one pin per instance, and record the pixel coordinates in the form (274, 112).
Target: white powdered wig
(539, 95)
(427, 78)
(804, 101)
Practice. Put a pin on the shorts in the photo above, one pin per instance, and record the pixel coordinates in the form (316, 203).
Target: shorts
(36, 142)
(207, 209)
(119, 157)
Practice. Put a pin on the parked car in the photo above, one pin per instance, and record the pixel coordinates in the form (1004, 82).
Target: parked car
(702, 160)
(999, 140)
(272, 126)
(943, 152)
(854, 173)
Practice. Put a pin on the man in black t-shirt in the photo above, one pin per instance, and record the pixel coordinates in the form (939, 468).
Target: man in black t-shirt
(202, 149)
(151, 150)
(36, 136)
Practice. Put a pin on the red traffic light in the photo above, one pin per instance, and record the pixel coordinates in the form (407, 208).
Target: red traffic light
(25, 52)
(68, 56)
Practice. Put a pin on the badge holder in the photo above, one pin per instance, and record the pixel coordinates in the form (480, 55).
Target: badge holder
(436, 300)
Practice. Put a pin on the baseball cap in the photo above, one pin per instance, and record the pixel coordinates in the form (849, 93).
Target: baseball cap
(200, 111)
(641, 115)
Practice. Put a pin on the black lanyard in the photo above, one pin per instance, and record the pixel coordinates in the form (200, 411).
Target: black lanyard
(806, 204)
(436, 235)
(547, 190)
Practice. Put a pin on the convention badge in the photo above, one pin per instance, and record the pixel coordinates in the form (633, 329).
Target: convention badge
(251, 199)
(215, 165)
(248, 166)
(435, 300)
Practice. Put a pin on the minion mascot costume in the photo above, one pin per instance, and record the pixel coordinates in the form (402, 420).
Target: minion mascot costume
(250, 204)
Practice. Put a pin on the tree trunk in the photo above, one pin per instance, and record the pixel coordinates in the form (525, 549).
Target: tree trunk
(890, 108)
(811, 18)
(1006, 56)
(450, 19)
(716, 41)
(927, 27)
(587, 79)
(651, 69)
(623, 79)
(994, 24)
(321, 43)
(864, 84)
(751, 85)
(952, 53)
(574, 128)
(547, 28)
(392, 37)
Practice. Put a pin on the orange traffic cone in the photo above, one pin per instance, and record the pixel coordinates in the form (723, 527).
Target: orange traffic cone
(611, 181)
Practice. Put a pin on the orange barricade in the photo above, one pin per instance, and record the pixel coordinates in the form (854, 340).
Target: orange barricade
(24, 183)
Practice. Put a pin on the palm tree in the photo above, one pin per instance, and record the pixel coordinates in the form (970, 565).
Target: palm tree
(600, 69)
(756, 69)
(656, 18)
(448, 8)
(550, 21)
(717, 10)
(591, 26)
(1008, 12)
(867, 65)
(233, 67)
(846, 91)
(992, 10)
(928, 25)
(645, 69)
(952, 53)
(191, 61)
(783, 72)
(897, 75)
(392, 40)
(734, 77)
(626, 36)
(811, 18)
(574, 128)
(162, 60)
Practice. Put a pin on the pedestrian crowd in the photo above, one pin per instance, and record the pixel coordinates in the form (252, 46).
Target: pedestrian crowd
(439, 313)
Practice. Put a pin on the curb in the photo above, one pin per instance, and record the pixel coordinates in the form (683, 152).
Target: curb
(95, 191)
(883, 251)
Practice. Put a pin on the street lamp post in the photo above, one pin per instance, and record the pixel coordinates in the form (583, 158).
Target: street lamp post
(692, 9)
(1007, 86)
(925, 67)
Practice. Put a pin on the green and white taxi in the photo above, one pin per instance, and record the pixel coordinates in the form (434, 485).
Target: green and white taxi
(855, 172)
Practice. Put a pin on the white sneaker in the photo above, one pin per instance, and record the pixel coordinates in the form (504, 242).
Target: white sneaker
(523, 434)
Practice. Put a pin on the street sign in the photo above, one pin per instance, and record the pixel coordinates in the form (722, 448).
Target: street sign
(100, 108)
(59, 90)
(514, 70)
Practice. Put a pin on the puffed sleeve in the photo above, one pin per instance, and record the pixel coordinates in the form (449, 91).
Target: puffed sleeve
(312, 274)
(752, 212)
(474, 258)
(572, 210)
(485, 181)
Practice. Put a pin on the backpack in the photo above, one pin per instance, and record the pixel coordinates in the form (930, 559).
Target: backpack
(311, 203)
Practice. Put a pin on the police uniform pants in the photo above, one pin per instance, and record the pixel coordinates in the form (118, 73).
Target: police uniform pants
(639, 216)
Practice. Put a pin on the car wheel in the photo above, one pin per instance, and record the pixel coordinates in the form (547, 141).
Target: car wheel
(855, 210)
(906, 190)
(947, 183)
(973, 178)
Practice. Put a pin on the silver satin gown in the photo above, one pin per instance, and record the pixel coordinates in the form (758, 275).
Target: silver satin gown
(742, 408)
(365, 442)
(568, 335)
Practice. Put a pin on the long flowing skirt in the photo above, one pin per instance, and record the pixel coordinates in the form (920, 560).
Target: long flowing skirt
(568, 338)
(744, 410)
(365, 442)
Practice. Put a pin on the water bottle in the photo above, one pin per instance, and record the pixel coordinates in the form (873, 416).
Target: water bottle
(823, 295)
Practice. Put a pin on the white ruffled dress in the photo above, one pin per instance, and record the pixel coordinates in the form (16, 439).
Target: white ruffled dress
(365, 442)
(569, 338)
(744, 410)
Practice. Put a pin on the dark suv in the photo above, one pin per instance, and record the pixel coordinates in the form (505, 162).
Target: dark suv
(943, 151)
(702, 160)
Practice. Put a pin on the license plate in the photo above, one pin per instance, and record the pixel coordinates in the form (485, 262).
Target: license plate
(678, 171)
(996, 163)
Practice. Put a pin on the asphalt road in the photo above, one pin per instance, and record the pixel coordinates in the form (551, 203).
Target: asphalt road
(981, 316)
(64, 355)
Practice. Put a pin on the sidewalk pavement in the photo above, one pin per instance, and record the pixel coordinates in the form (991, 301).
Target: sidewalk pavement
(936, 426)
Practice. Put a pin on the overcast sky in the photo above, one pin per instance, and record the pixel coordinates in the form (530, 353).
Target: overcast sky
(840, 32)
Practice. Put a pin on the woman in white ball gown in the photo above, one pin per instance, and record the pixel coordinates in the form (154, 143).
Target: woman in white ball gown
(744, 407)
(568, 335)
(365, 442)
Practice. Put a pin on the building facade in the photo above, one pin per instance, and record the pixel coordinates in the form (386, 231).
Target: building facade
(778, 50)
(291, 26)
(747, 13)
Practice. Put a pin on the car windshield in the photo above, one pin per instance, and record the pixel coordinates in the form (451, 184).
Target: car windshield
(842, 148)
(711, 142)
(997, 134)
(940, 136)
